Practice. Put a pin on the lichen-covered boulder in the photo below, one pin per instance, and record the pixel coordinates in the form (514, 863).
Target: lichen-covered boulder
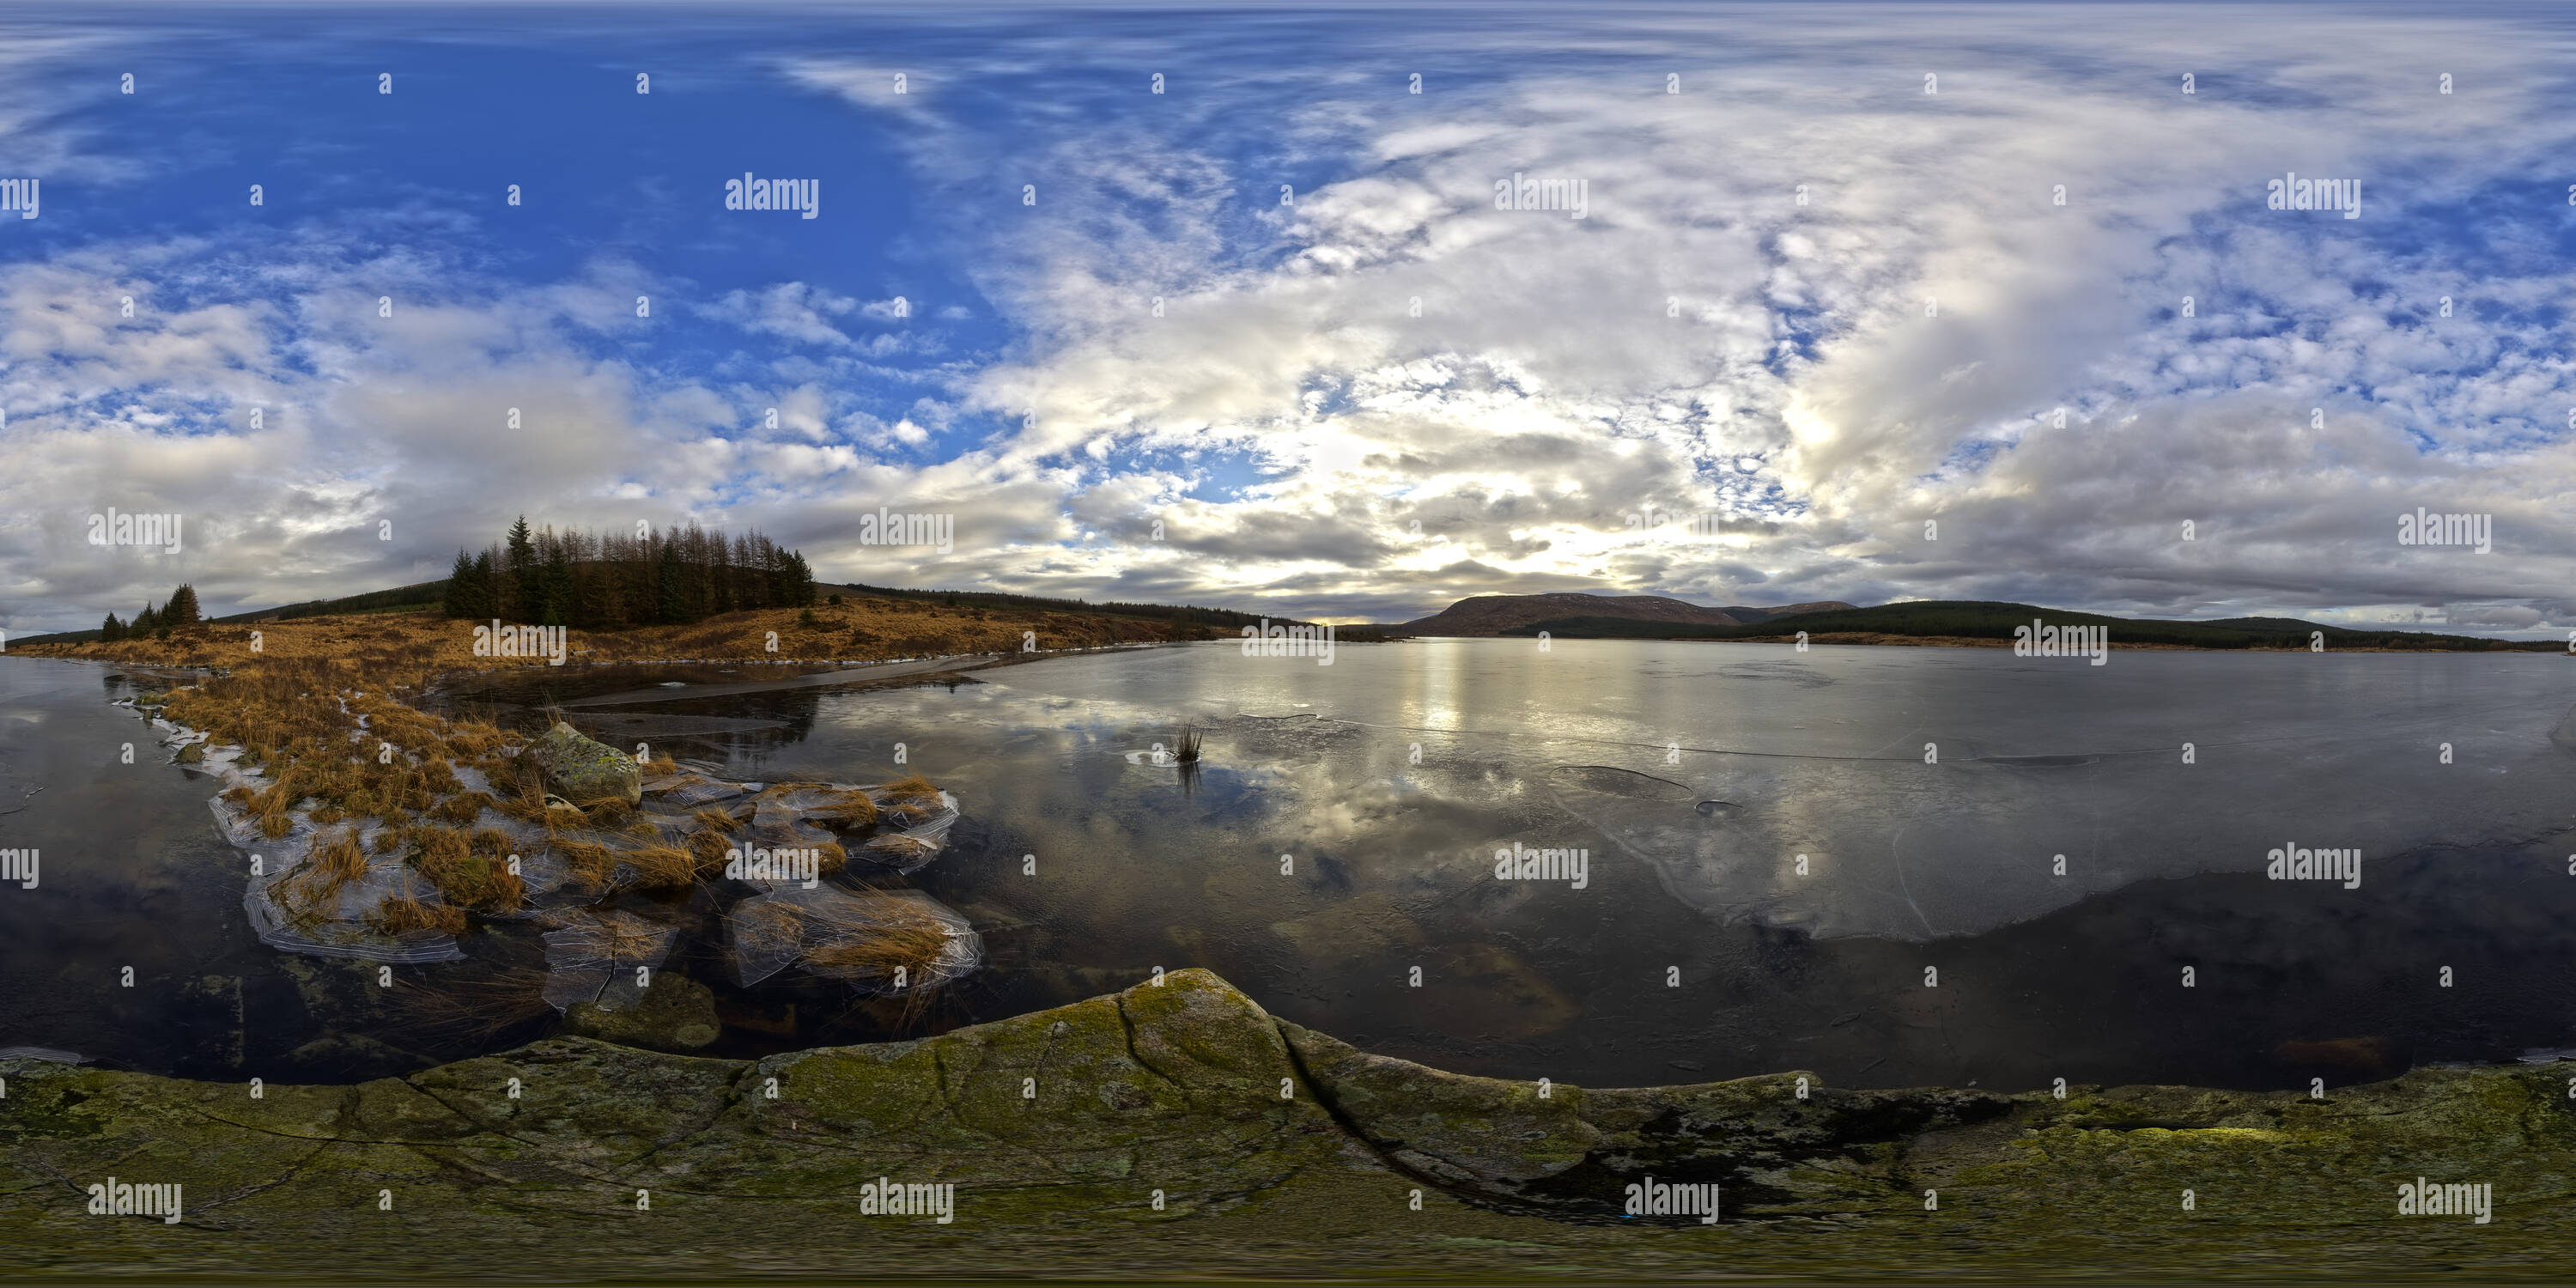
(582, 769)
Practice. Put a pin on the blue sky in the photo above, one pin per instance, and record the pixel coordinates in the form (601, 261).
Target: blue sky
(1808, 308)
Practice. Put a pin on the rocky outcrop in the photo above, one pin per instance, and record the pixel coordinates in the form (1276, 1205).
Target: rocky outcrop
(582, 770)
(1177, 1129)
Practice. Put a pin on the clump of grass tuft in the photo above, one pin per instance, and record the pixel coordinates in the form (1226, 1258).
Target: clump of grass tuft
(408, 913)
(463, 808)
(913, 798)
(589, 860)
(715, 820)
(667, 867)
(333, 862)
(467, 874)
(1188, 745)
(711, 848)
(607, 811)
(847, 809)
(875, 933)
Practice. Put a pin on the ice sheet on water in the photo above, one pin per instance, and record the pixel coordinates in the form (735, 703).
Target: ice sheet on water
(591, 944)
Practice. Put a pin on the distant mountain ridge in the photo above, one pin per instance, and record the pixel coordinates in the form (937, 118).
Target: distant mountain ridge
(1971, 620)
(1497, 614)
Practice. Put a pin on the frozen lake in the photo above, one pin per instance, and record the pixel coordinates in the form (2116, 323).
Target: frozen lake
(1692, 777)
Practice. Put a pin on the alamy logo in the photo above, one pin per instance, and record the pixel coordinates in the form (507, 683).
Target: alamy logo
(1518, 862)
(19, 195)
(2424, 528)
(805, 865)
(882, 1197)
(886, 528)
(116, 529)
(748, 193)
(497, 640)
(1520, 192)
(1664, 525)
(2040, 640)
(19, 866)
(2423, 1198)
(117, 1199)
(2295, 193)
(1272, 640)
(1652, 1197)
(2295, 863)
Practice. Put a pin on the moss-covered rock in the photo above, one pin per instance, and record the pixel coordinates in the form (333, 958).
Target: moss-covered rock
(1178, 1130)
(580, 769)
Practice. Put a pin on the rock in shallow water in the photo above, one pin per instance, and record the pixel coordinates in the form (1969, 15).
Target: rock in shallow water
(674, 1013)
(583, 769)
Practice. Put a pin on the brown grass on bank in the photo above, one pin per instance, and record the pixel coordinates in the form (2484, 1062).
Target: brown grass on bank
(323, 712)
(407, 649)
(463, 808)
(469, 871)
(332, 862)
(407, 913)
(404, 915)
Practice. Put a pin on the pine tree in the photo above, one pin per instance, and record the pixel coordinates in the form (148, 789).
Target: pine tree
(111, 629)
(800, 582)
(487, 585)
(522, 600)
(145, 622)
(182, 609)
(460, 588)
(556, 606)
(670, 596)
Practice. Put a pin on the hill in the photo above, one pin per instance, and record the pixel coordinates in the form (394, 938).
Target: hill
(1115, 620)
(1985, 621)
(1502, 614)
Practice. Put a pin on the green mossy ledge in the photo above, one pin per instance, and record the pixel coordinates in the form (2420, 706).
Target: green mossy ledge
(1177, 1087)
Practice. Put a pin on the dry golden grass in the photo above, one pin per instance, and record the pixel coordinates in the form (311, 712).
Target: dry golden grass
(408, 913)
(333, 861)
(462, 808)
(848, 809)
(404, 650)
(469, 871)
(319, 709)
(914, 798)
(710, 848)
(589, 860)
(877, 932)
(669, 867)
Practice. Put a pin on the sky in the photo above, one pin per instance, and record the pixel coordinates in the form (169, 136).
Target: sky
(1841, 301)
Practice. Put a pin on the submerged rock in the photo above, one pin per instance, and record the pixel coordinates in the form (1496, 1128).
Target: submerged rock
(673, 1013)
(582, 769)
